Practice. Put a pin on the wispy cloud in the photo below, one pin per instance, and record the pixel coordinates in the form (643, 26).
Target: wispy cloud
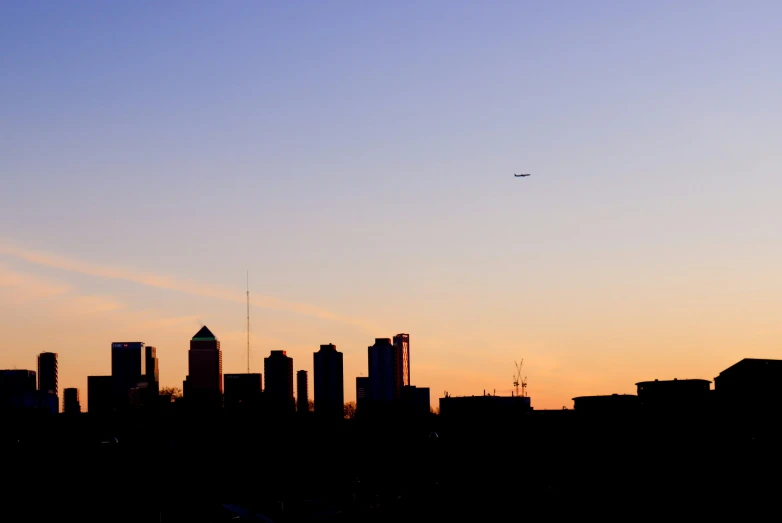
(168, 283)
(22, 287)
(26, 288)
(95, 304)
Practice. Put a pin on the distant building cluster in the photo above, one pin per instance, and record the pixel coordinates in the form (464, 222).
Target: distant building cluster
(134, 383)
(749, 388)
(388, 388)
(751, 385)
(28, 389)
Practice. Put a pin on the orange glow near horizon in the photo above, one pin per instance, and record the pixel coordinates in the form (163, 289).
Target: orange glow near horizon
(601, 347)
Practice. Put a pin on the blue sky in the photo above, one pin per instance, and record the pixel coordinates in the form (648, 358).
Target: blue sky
(358, 156)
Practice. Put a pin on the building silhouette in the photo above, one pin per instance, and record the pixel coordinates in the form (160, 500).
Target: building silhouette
(18, 389)
(47, 373)
(402, 353)
(362, 394)
(329, 383)
(674, 396)
(126, 360)
(383, 378)
(242, 392)
(416, 401)
(751, 385)
(302, 392)
(71, 403)
(203, 386)
(147, 391)
(151, 371)
(48, 391)
(99, 395)
(477, 409)
(609, 404)
(278, 392)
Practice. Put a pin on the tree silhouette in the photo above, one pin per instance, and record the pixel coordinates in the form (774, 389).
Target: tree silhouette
(350, 410)
(172, 392)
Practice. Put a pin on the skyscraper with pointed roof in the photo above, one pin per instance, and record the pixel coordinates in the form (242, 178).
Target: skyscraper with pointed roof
(204, 382)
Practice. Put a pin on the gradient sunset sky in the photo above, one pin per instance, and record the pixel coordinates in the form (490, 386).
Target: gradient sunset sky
(357, 159)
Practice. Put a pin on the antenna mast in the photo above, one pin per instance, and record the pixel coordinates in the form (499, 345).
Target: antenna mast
(248, 322)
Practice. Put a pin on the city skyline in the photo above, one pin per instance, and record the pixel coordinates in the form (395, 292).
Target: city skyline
(357, 160)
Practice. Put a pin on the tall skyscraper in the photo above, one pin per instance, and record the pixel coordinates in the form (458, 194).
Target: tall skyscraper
(47, 373)
(48, 392)
(125, 370)
(402, 348)
(204, 383)
(151, 372)
(302, 394)
(278, 392)
(383, 378)
(329, 384)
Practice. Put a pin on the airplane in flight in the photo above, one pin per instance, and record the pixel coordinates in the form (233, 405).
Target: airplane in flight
(519, 175)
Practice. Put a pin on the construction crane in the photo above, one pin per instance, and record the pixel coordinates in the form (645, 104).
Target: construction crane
(518, 380)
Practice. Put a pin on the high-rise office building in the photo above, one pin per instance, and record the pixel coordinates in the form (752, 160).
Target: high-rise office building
(329, 383)
(204, 383)
(126, 360)
(47, 373)
(278, 391)
(383, 382)
(151, 371)
(302, 394)
(48, 392)
(71, 404)
(99, 395)
(148, 394)
(402, 348)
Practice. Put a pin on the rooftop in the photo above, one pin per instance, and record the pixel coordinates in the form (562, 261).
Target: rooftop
(204, 335)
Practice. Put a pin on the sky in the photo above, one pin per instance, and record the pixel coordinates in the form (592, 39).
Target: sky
(352, 162)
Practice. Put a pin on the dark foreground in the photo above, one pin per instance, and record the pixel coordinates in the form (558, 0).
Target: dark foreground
(555, 467)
